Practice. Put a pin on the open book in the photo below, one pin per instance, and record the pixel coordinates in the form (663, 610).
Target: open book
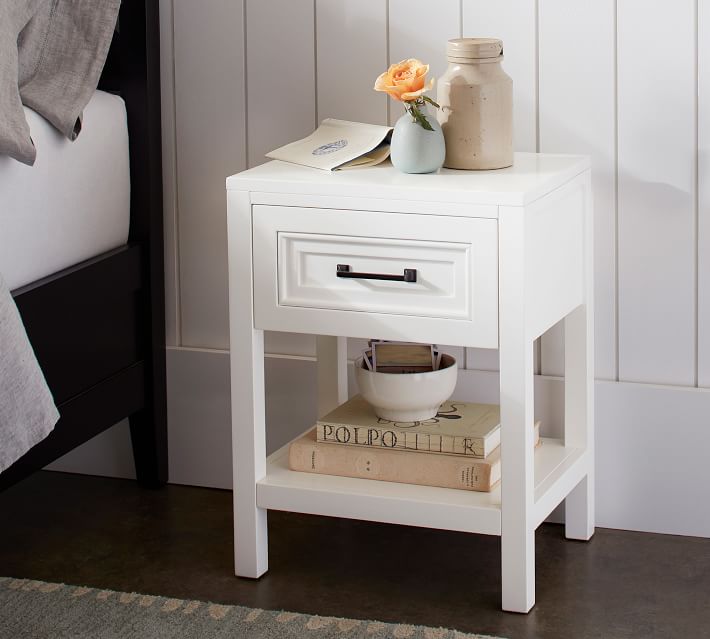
(337, 145)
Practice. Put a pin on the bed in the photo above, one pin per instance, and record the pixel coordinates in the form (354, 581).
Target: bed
(86, 271)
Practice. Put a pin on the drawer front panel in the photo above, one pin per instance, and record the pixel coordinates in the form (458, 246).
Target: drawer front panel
(308, 275)
(297, 253)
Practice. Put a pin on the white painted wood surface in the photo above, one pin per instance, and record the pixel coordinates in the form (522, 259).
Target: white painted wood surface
(703, 111)
(656, 98)
(298, 268)
(652, 470)
(247, 397)
(199, 445)
(543, 253)
(557, 223)
(170, 196)
(210, 131)
(516, 415)
(351, 51)
(579, 385)
(474, 194)
(308, 264)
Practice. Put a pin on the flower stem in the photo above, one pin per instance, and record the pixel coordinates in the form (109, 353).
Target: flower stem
(414, 109)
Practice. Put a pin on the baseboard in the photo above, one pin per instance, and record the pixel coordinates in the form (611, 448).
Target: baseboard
(651, 441)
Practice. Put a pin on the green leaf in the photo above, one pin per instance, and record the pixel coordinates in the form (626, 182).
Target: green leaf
(419, 117)
(430, 101)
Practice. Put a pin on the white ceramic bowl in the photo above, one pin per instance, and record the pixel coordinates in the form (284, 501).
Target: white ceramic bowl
(407, 397)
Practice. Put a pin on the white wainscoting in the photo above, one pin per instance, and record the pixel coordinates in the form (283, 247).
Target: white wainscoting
(240, 77)
(651, 441)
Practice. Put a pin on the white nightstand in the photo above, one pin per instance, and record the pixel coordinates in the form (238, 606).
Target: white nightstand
(500, 256)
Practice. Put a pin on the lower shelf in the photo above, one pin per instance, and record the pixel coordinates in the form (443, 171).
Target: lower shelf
(557, 470)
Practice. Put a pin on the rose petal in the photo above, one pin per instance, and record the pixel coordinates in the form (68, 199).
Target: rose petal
(422, 70)
(411, 95)
(405, 80)
(382, 81)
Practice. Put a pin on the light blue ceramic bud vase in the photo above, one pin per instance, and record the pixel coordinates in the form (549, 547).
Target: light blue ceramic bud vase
(414, 149)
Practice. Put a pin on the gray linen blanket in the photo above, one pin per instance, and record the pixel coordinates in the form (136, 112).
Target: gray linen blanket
(27, 411)
(51, 56)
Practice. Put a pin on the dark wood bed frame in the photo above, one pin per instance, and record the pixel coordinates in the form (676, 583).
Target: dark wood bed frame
(98, 328)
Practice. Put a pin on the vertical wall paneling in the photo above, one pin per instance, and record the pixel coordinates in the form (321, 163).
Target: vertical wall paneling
(280, 74)
(290, 344)
(552, 351)
(420, 29)
(656, 160)
(281, 99)
(577, 115)
(482, 359)
(514, 22)
(703, 28)
(170, 222)
(210, 144)
(351, 46)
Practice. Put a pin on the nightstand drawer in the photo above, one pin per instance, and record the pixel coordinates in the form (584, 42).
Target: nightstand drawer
(347, 273)
(375, 264)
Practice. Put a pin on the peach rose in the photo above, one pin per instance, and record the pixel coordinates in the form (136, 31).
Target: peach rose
(405, 80)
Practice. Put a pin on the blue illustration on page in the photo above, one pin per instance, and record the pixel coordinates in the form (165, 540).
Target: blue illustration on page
(331, 147)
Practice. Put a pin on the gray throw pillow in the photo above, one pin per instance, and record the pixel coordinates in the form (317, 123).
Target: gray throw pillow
(61, 54)
(15, 139)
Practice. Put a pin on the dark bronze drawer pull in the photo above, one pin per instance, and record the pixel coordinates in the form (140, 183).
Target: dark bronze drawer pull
(343, 270)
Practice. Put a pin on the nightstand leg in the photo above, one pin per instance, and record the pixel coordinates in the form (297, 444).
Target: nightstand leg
(517, 496)
(251, 557)
(332, 356)
(247, 382)
(516, 416)
(579, 416)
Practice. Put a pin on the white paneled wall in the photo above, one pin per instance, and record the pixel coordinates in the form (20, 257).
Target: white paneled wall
(351, 51)
(515, 22)
(703, 112)
(576, 112)
(280, 46)
(210, 143)
(657, 218)
(615, 79)
(624, 81)
(414, 34)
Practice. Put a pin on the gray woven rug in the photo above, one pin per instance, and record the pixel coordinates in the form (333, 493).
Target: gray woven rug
(40, 610)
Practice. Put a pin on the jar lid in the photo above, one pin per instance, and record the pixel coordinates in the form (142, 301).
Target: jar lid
(474, 48)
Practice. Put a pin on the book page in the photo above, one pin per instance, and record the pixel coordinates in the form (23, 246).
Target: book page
(337, 144)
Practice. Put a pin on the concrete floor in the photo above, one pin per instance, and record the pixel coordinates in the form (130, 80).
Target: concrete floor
(177, 542)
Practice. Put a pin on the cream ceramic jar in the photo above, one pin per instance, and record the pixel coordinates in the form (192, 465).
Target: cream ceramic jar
(476, 99)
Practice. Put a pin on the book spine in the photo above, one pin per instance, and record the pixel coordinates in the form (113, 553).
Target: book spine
(388, 438)
(307, 455)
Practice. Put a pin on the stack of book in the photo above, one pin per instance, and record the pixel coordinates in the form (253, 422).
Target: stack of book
(458, 448)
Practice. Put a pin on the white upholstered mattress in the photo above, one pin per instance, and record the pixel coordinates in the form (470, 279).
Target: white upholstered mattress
(74, 203)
